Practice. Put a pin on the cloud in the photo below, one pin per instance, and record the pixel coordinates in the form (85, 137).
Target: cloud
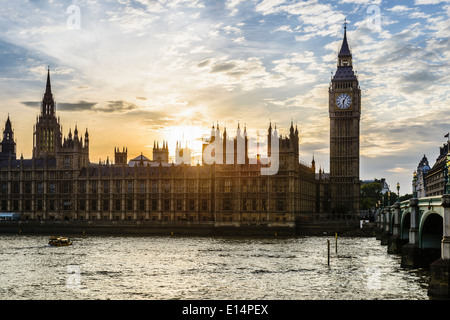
(80, 106)
(221, 67)
(248, 74)
(315, 19)
(117, 106)
(302, 67)
(398, 170)
(417, 81)
(233, 5)
(268, 6)
(399, 8)
(284, 28)
(108, 107)
(420, 2)
(32, 104)
(203, 63)
(367, 2)
(155, 63)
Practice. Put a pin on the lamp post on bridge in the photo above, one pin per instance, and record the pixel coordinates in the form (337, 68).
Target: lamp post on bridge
(377, 215)
(415, 184)
(382, 216)
(389, 198)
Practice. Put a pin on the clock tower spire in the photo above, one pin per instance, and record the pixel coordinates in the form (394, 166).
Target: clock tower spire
(345, 115)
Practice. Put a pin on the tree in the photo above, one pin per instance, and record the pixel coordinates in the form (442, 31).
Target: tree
(405, 197)
(389, 199)
(370, 195)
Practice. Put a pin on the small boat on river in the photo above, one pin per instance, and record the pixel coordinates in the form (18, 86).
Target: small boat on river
(59, 242)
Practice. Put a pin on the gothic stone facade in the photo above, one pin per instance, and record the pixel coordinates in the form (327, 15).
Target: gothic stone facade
(59, 182)
(42, 189)
(432, 181)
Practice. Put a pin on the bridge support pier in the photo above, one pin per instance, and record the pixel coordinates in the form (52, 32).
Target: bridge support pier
(439, 286)
(379, 229)
(395, 243)
(387, 225)
(411, 253)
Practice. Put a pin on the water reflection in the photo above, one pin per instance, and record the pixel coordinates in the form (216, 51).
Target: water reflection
(204, 268)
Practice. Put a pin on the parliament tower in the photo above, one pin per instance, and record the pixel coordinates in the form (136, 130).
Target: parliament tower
(48, 142)
(345, 115)
(47, 131)
(8, 145)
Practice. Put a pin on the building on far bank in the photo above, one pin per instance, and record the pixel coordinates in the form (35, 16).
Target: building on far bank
(432, 180)
(140, 161)
(60, 182)
(422, 171)
(436, 177)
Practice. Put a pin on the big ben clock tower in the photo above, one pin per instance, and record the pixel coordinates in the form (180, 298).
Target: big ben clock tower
(345, 115)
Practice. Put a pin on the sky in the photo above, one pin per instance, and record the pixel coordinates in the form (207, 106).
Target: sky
(136, 72)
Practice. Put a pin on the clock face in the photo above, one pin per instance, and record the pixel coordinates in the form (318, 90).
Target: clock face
(343, 101)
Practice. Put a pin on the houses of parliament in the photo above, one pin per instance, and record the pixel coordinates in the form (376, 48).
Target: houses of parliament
(60, 183)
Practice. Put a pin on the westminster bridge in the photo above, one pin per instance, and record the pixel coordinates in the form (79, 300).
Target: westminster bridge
(419, 230)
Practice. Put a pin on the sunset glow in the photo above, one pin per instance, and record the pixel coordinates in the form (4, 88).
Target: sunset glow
(136, 72)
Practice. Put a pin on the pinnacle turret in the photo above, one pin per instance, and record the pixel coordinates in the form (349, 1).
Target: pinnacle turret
(345, 49)
(48, 103)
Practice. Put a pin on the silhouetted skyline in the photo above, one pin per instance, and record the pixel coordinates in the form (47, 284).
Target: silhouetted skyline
(135, 73)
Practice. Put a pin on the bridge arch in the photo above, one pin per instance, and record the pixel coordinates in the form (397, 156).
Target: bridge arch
(391, 214)
(387, 220)
(383, 219)
(431, 230)
(405, 225)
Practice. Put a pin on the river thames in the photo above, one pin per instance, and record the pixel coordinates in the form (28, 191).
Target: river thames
(203, 268)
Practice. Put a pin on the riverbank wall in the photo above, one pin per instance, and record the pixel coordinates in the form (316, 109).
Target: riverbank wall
(147, 228)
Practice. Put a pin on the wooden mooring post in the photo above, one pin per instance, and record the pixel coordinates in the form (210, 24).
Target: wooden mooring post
(335, 235)
(328, 241)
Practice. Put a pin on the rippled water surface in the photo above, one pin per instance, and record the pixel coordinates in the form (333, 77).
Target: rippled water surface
(204, 268)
